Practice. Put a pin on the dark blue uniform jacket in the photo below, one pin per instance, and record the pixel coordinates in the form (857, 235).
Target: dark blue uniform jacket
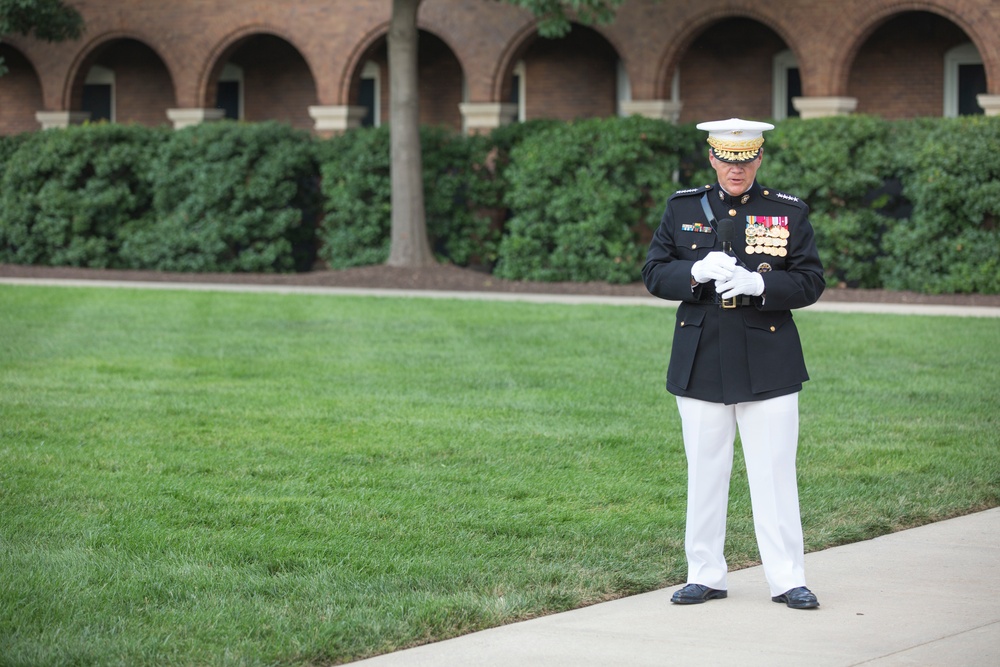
(751, 352)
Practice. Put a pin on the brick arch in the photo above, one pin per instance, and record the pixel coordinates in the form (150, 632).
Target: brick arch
(21, 96)
(702, 21)
(524, 40)
(372, 40)
(442, 33)
(351, 71)
(228, 44)
(73, 84)
(886, 11)
(550, 52)
(434, 109)
(519, 42)
(447, 83)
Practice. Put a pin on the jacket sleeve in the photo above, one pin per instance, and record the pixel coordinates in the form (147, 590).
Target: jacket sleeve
(667, 272)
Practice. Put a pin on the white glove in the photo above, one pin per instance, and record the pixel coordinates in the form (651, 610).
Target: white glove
(716, 266)
(741, 282)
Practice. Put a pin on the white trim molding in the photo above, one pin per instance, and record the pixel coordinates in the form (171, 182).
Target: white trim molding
(53, 120)
(821, 107)
(963, 54)
(337, 118)
(990, 104)
(477, 117)
(182, 118)
(669, 110)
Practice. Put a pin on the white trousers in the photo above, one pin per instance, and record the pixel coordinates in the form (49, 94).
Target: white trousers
(769, 431)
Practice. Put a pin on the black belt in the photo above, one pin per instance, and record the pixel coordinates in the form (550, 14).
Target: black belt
(741, 301)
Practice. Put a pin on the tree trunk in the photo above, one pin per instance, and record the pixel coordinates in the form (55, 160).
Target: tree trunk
(409, 246)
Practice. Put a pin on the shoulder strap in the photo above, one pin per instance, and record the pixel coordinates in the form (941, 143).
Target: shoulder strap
(708, 210)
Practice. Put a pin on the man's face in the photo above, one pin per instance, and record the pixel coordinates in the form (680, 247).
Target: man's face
(736, 178)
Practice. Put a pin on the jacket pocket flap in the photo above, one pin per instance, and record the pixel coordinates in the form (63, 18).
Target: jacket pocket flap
(690, 317)
(766, 320)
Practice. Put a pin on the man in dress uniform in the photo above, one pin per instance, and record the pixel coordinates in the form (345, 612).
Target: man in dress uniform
(736, 359)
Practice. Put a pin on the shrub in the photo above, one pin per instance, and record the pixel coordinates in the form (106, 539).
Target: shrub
(357, 210)
(454, 198)
(897, 204)
(69, 197)
(460, 194)
(952, 176)
(9, 143)
(844, 168)
(583, 196)
(230, 197)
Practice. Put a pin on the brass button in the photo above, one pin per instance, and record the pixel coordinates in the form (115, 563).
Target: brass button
(766, 192)
(732, 213)
(772, 329)
(694, 246)
(682, 323)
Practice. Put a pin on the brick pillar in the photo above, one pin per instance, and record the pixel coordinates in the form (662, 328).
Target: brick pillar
(990, 104)
(659, 109)
(186, 117)
(821, 107)
(50, 120)
(336, 119)
(480, 118)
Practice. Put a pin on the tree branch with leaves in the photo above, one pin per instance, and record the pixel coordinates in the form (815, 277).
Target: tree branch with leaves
(48, 20)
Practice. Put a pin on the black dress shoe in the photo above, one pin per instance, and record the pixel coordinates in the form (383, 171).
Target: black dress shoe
(696, 594)
(798, 598)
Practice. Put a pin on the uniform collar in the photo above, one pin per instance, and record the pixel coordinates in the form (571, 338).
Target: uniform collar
(739, 200)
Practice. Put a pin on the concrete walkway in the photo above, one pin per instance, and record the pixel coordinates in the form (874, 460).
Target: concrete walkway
(923, 597)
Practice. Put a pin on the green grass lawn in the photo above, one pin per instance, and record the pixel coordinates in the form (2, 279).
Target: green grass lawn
(201, 478)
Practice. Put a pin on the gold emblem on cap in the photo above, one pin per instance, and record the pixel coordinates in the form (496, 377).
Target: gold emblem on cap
(745, 149)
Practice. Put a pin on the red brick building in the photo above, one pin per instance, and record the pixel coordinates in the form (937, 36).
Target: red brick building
(322, 64)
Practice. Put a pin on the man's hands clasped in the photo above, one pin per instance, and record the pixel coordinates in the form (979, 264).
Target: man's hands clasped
(716, 266)
(730, 280)
(741, 282)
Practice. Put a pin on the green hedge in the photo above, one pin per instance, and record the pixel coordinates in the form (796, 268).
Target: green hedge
(70, 197)
(230, 197)
(902, 205)
(896, 204)
(463, 185)
(582, 195)
(951, 242)
(842, 167)
(9, 144)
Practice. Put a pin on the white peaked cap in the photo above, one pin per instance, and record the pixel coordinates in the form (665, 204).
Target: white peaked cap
(735, 140)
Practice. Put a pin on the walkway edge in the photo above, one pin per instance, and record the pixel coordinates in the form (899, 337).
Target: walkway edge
(925, 596)
(822, 306)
